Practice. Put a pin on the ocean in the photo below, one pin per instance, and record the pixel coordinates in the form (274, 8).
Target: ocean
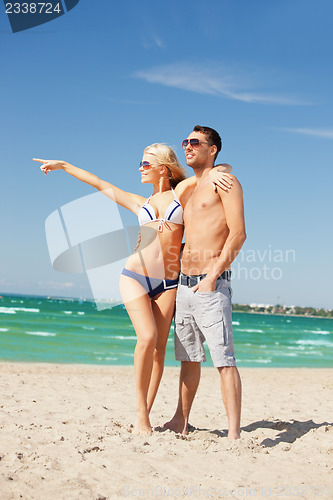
(38, 329)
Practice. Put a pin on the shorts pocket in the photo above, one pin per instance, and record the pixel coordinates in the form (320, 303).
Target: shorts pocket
(181, 327)
(211, 309)
(209, 320)
(179, 323)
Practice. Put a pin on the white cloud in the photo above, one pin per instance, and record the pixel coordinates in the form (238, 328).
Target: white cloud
(158, 42)
(223, 82)
(152, 41)
(319, 132)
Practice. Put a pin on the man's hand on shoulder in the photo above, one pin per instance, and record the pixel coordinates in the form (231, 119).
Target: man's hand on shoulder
(235, 188)
(219, 177)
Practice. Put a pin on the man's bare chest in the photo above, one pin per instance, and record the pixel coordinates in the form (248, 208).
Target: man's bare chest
(203, 203)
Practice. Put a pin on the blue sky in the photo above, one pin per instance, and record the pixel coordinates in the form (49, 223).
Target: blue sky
(97, 85)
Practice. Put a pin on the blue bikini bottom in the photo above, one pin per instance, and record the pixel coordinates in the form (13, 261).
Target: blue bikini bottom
(153, 286)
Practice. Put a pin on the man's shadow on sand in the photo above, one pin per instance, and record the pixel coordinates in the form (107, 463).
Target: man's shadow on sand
(289, 431)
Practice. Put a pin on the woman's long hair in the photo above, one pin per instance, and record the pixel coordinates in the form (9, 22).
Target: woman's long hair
(166, 156)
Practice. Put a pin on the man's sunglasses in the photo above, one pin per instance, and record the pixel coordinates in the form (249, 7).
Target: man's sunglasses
(194, 143)
(145, 165)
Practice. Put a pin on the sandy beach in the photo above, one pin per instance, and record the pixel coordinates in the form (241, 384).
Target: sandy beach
(66, 432)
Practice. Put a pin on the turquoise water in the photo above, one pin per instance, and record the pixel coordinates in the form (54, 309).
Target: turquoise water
(70, 331)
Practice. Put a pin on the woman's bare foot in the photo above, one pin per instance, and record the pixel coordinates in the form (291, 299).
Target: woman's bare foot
(232, 436)
(142, 424)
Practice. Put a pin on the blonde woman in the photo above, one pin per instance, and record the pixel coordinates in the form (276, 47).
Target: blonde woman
(149, 280)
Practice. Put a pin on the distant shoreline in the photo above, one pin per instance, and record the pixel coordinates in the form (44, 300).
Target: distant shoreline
(235, 306)
(281, 314)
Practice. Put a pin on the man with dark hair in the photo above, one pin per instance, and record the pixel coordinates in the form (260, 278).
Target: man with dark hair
(212, 136)
(214, 234)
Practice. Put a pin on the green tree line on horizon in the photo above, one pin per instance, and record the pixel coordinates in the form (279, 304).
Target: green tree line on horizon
(287, 310)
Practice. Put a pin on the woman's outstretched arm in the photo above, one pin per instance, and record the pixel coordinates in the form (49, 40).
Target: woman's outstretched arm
(130, 201)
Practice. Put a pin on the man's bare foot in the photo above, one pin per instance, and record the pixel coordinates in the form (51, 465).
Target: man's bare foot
(177, 424)
(142, 424)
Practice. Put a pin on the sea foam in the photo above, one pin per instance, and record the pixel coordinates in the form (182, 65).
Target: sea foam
(42, 334)
(318, 332)
(13, 310)
(249, 330)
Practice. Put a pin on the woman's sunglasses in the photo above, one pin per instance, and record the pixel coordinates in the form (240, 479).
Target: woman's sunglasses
(195, 143)
(145, 165)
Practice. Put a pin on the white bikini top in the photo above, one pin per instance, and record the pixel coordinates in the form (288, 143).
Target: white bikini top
(174, 213)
